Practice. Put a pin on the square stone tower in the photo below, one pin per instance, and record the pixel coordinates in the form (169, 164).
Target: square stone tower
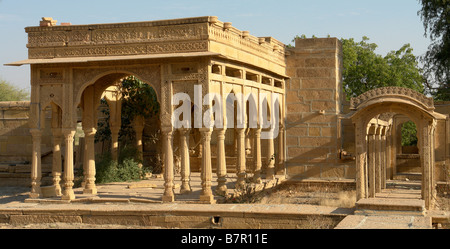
(314, 102)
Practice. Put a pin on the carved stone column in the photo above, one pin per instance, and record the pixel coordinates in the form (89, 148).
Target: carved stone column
(240, 167)
(384, 151)
(167, 135)
(57, 161)
(221, 163)
(115, 141)
(270, 171)
(114, 99)
(280, 159)
(36, 171)
(427, 147)
(248, 147)
(372, 161)
(139, 123)
(378, 159)
(89, 161)
(257, 155)
(361, 154)
(185, 163)
(206, 174)
(389, 153)
(89, 127)
(68, 193)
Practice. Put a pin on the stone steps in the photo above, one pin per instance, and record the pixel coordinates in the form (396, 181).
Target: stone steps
(397, 207)
(21, 179)
(19, 174)
(408, 176)
(23, 168)
(390, 206)
(385, 222)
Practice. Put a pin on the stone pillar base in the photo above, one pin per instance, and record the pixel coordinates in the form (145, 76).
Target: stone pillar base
(270, 174)
(68, 195)
(168, 198)
(221, 190)
(209, 199)
(92, 191)
(185, 190)
(58, 190)
(35, 195)
(257, 178)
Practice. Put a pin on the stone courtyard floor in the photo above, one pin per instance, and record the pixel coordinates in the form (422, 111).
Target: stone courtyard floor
(145, 196)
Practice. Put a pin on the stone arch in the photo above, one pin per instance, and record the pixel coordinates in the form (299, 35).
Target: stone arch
(251, 104)
(83, 80)
(56, 114)
(419, 108)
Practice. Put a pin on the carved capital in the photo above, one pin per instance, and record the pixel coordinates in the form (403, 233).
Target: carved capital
(36, 133)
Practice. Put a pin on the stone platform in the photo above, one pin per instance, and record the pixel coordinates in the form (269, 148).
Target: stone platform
(139, 204)
(385, 222)
(397, 207)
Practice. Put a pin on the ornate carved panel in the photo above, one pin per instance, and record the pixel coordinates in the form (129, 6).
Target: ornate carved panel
(51, 75)
(123, 39)
(51, 93)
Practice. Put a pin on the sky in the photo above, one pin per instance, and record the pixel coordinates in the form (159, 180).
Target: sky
(388, 23)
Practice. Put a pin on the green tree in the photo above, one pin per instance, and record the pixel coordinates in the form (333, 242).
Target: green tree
(435, 15)
(365, 70)
(139, 99)
(9, 92)
(409, 134)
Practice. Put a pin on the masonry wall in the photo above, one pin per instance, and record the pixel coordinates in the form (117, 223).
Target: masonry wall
(15, 137)
(314, 103)
(442, 142)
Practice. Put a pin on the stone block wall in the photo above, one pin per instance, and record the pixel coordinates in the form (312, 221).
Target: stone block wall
(442, 143)
(15, 137)
(314, 102)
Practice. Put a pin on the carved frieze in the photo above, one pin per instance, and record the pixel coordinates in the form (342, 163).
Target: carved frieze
(82, 41)
(391, 91)
(118, 50)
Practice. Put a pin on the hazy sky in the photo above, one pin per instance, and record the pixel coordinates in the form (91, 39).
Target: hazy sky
(388, 23)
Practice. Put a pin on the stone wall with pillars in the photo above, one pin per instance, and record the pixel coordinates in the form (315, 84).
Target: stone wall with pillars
(314, 102)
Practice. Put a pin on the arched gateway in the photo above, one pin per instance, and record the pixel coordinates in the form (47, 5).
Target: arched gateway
(369, 134)
(72, 65)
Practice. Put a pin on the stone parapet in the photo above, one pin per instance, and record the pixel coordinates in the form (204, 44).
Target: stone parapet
(198, 34)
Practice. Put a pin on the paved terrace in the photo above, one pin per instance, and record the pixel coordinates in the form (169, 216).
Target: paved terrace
(139, 204)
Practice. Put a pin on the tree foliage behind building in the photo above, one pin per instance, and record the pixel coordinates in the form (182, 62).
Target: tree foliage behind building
(8, 92)
(365, 70)
(435, 15)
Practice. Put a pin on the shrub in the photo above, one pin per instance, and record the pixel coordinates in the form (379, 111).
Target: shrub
(128, 170)
(109, 170)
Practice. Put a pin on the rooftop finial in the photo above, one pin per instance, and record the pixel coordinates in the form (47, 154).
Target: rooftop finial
(47, 22)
